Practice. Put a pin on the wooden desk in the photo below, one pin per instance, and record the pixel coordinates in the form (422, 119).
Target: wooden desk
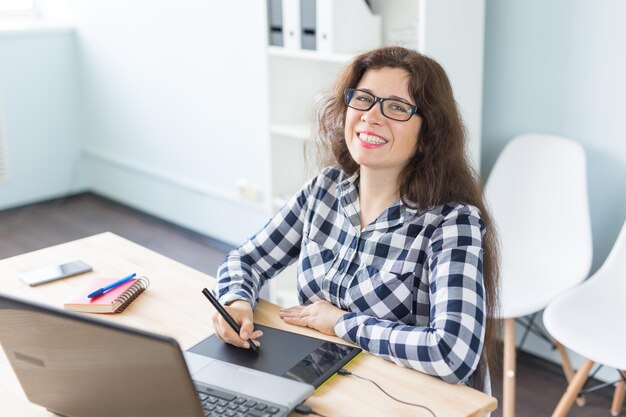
(174, 305)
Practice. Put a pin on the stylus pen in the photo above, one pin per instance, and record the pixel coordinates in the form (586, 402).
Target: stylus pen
(111, 286)
(229, 319)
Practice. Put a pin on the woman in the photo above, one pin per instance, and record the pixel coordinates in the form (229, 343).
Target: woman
(396, 251)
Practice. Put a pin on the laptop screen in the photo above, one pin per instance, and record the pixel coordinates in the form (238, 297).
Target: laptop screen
(80, 366)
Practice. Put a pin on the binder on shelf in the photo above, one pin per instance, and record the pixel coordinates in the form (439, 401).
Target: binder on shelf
(308, 24)
(291, 23)
(346, 26)
(275, 22)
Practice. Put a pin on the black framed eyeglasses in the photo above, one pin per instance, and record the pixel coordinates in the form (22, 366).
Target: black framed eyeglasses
(391, 108)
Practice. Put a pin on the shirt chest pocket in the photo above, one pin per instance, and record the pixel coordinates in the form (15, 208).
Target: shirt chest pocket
(383, 294)
(315, 262)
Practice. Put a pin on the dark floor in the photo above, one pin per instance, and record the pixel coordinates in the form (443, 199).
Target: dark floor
(45, 224)
(539, 384)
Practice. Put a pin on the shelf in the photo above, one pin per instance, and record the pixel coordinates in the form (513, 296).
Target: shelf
(296, 131)
(279, 51)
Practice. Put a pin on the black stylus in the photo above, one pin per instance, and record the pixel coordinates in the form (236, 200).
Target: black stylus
(229, 319)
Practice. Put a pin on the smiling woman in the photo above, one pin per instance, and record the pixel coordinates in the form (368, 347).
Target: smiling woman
(378, 142)
(395, 249)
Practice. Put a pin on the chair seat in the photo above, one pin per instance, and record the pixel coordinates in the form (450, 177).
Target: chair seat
(591, 320)
(527, 292)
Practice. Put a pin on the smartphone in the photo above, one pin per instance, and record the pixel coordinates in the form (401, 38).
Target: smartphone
(52, 273)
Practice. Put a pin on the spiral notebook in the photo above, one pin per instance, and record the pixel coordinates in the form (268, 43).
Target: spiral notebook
(112, 301)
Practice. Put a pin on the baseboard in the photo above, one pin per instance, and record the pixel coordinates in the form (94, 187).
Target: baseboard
(45, 201)
(211, 241)
(222, 214)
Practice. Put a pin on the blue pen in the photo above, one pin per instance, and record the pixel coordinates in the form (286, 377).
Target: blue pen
(108, 287)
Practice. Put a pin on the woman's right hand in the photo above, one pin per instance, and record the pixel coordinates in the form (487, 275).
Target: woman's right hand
(241, 311)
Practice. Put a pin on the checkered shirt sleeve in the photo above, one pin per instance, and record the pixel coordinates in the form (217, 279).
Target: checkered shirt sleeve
(246, 269)
(450, 345)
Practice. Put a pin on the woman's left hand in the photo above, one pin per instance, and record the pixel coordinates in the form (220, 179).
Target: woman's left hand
(321, 316)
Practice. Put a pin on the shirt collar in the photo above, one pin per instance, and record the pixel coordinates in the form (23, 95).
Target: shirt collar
(396, 214)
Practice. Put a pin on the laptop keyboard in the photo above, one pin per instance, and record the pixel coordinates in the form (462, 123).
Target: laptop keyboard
(217, 403)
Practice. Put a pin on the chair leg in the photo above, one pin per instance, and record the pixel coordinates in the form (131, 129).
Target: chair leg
(618, 397)
(508, 382)
(567, 369)
(573, 389)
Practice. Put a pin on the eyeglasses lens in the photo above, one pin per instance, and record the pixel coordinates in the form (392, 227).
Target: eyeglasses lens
(392, 109)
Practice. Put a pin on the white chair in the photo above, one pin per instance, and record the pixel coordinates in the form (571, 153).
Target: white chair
(591, 321)
(537, 192)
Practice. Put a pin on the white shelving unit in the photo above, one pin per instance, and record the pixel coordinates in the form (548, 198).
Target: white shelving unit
(295, 78)
(450, 31)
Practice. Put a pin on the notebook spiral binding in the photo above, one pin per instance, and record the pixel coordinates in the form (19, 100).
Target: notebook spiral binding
(133, 292)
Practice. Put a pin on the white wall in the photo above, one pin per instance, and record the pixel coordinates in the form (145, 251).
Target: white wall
(176, 102)
(159, 104)
(456, 47)
(39, 108)
(558, 67)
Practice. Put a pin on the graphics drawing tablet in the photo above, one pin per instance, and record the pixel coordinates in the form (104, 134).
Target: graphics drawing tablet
(290, 355)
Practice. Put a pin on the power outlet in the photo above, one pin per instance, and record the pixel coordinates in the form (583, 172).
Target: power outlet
(248, 190)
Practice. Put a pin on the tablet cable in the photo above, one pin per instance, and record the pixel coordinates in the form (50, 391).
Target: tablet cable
(306, 410)
(345, 372)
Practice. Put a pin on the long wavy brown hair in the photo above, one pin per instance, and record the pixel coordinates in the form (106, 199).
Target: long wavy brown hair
(439, 170)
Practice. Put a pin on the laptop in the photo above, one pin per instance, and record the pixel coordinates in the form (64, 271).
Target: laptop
(78, 366)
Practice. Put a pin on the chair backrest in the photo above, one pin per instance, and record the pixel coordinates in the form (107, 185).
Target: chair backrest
(612, 273)
(589, 319)
(537, 192)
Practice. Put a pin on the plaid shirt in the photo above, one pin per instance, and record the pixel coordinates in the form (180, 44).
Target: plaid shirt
(411, 281)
